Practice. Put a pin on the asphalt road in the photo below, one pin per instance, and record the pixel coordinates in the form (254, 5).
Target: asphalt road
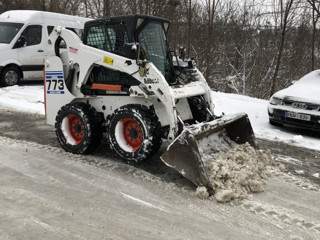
(46, 193)
(32, 127)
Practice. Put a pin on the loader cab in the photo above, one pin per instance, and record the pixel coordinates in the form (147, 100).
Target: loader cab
(133, 36)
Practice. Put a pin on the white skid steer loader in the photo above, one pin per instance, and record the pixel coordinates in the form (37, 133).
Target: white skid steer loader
(123, 81)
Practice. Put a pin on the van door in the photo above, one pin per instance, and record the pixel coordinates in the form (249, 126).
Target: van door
(32, 54)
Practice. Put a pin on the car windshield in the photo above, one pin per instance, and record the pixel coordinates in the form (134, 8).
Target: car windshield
(8, 31)
(312, 78)
(152, 39)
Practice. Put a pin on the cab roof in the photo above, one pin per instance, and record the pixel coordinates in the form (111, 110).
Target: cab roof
(133, 22)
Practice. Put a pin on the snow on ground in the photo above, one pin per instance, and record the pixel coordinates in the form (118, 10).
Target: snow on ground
(23, 98)
(46, 193)
(258, 115)
(56, 195)
(30, 99)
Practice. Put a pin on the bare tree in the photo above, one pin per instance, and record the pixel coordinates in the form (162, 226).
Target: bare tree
(285, 9)
(315, 18)
(211, 9)
(189, 19)
(240, 46)
(106, 8)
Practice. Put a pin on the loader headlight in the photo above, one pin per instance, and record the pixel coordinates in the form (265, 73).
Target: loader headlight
(276, 101)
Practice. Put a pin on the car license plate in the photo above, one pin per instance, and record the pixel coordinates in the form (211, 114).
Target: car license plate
(299, 116)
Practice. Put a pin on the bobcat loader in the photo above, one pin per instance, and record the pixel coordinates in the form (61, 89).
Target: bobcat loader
(122, 81)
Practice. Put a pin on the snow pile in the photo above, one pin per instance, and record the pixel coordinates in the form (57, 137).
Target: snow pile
(119, 134)
(238, 172)
(202, 192)
(65, 128)
(23, 98)
(296, 139)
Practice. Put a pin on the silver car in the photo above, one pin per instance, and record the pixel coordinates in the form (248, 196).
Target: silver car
(297, 105)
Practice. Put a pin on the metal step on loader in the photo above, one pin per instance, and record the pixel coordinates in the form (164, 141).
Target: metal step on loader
(122, 81)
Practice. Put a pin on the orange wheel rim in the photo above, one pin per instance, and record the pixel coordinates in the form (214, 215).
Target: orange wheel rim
(76, 128)
(132, 133)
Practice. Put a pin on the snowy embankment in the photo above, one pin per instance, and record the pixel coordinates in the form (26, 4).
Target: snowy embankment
(23, 98)
(258, 115)
(30, 99)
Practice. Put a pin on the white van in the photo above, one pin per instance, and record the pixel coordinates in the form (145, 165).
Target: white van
(23, 40)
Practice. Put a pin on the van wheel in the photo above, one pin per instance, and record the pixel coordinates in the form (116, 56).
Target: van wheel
(78, 128)
(10, 76)
(134, 133)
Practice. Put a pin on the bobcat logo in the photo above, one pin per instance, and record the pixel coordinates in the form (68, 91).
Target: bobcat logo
(151, 81)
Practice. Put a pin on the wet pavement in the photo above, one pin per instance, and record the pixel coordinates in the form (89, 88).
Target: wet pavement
(299, 161)
(33, 127)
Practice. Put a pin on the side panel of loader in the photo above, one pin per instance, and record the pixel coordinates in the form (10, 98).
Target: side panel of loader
(56, 91)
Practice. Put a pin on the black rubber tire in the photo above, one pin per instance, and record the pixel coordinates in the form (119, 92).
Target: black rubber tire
(273, 123)
(10, 76)
(198, 109)
(86, 131)
(146, 130)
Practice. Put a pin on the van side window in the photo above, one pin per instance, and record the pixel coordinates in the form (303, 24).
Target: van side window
(71, 29)
(32, 34)
(50, 29)
(78, 31)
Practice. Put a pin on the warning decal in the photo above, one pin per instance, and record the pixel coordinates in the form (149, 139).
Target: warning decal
(108, 60)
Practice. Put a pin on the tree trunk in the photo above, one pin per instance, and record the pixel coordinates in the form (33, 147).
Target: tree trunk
(43, 5)
(189, 29)
(140, 7)
(106, 8)
(211, 11)
(313, 39)
(284, 24)
(147, 7)
(315, 18)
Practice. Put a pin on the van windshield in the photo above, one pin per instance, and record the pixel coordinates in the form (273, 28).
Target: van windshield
(8, 31)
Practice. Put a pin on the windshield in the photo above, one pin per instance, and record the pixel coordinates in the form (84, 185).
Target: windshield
(312, 78)
(152, 39)
(8, 31)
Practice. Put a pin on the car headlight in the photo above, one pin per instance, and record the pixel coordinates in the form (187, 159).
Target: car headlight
(276, 101)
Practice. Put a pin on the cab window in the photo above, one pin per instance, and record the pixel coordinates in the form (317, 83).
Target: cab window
(96, 37)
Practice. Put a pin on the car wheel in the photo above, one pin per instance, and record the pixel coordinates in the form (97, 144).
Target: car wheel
(10, 76)
(134, 133)
(78, 128)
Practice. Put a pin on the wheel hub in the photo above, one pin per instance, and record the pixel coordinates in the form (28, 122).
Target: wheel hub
(76, 128)
(132, 133)
(11, 77)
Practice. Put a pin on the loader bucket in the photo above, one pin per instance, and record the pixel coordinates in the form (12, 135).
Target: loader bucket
(198, 143)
